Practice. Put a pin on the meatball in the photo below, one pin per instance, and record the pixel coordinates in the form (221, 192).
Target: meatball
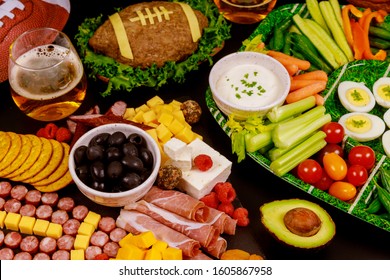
(191, 111)
(169, 177)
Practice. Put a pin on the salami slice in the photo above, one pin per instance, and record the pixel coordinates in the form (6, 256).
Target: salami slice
(44, 212)
(71, 226)
(79, 212)
(65, 242)
(117, 234)
(12, 239)
(66, 204)
(92, 251)
(27, 210)
(12, 205)
(99, 238)
(5, 189)
(111, 249)
(33, 197)
(48, 245)
(18, 192)
(30, 244)
(23, 256)
(106, 224)
(59, 217)
(6, 254)
(50, 198)
(60, 255)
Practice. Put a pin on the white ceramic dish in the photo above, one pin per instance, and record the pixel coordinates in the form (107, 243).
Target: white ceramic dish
(121, 198)
(248, 83)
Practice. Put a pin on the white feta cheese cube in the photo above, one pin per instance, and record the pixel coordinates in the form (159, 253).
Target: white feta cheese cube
(200, 147)
(174, 147)
(182, 161)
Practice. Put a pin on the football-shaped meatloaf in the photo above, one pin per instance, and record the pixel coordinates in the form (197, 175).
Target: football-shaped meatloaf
(150, 32)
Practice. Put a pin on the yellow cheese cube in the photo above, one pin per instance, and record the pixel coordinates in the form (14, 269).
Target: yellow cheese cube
(126, 239)
(149, 116)
(40, 227)
(129, 113)
(196, 135)
(152, 124)
(152, 132)
(3, 214)
(167, 108)
(143, 108)
(86, 229)
(163, 133)
(92, 218)
(143, 240)
(77, 254)
(178, 114)
(171, 253)
(186, 135)
(156, 100)
(138, 117)
(130, 252)
(26, 224)
(12, 221)
(175, 104)
(160, 245)
(153, 254)
(81, 241)
(176, 126)
(165, 117)
(54, 230)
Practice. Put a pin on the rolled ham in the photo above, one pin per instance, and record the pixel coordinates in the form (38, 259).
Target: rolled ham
(179, 203)
(217, 247)
(223, 222)
(204, 233)
(136, 222)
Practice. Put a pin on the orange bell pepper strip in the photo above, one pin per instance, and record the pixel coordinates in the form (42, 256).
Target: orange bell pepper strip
(358, 44)
(346, 21)
(381, 55)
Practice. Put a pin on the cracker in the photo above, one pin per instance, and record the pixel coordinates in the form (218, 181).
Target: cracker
(62, 182)
(20, 159)
(13, 151)
(5, 143)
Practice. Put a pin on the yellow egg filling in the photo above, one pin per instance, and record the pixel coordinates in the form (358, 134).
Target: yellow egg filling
(357, 97)
(384, 92)
(358, 123)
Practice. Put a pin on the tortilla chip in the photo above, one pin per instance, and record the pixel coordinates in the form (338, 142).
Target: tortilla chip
(13, 151)
(20, 159)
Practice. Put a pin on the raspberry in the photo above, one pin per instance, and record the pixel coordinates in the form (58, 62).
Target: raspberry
(203, 162)
(41, 132)
(241, 215)
(50, 130)
(211, 200)
(226, 193)
(63, 135)
(228, 208)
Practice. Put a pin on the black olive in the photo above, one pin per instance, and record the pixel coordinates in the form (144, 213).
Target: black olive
(133, 163)
(116, 139)
(146, 156)
(136, 139)
(100, 139)
(95, 152)
(114, 170)
(97, 171)
(80, 155)
(82, 172)
(130, 149)
(130, 181)
(145, 174)
(113, 153)
(99, 186)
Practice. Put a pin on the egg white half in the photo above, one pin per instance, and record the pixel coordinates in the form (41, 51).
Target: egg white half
(386, 118)
(386, 142)
(376, 129)
(381, 91)
(361, 101)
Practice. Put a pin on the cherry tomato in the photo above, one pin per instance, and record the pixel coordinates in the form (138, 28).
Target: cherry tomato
(334, 132)
(357, 175)
(335, 166)
(342, 190)
(330, 148)
(362, 155)
(309, 171)
(324, 183)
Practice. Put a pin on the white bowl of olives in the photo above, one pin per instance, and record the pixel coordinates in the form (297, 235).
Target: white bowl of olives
(115, 164)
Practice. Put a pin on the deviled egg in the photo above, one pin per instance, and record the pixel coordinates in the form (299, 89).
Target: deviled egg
(386, 142)
(362, 127)
(355, 97)
(381, 91)
(386, 118)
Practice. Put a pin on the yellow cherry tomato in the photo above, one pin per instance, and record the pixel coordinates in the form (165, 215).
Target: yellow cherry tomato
(342, 190)
(335, 166)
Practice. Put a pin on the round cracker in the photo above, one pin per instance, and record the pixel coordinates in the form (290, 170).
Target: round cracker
(5, 143)
(13, 151)
(20, 159)
(32, 157)
(40, 163)
(59, 172)
(62, 182)
(54, 162)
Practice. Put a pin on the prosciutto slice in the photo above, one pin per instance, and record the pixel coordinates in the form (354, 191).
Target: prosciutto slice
(136, 222)
(223, 222)
(179, 203)
(217, 247)
(204, 233)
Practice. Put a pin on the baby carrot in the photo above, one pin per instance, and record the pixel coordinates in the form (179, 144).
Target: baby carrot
(288, 59)
(292, 69)
(313, 75)
(297, 83)
(319, 99)
(306, 91)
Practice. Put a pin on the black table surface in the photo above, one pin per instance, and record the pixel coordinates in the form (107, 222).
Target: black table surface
(354, 239)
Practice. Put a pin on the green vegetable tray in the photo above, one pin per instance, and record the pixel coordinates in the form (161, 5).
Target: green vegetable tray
(366, 71)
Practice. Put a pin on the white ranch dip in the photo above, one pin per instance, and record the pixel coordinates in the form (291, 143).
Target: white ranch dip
(249, 85)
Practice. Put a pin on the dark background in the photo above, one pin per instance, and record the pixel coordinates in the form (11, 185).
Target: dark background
(354, 238)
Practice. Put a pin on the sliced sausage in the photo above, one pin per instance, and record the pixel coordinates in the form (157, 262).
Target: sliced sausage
(79, 212)
(27, 210)
(33, 197)
(92, 251)
(5, 189)
(66, 203)
(2, 202)
(1, 237)
(71, 227)
(59, 217)
(111, 249)
(107, 224)
(48, 245)
(44, 212)
(41, 256)
(12, 239)
(99, 238)
(23, 256)
(30, 244)
(6, 254)
(65, 242)
(117, 234)
(12, 205)
(19, 192)
(49, 198)
(60, 255)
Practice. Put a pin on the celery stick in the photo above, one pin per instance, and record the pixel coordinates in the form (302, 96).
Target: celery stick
(276, 152)
(315, 12)
(306, 149)
(283, 112)
(337, 11)
(238, 144)
(254, 142)
(285, 139)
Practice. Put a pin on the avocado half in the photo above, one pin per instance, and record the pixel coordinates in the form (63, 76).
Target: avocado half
(273, 218)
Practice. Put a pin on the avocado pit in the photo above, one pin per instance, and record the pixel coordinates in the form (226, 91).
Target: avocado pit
(302, 221)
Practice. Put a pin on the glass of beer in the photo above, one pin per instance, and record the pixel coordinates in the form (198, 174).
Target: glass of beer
(46, 75)
(245, 11)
